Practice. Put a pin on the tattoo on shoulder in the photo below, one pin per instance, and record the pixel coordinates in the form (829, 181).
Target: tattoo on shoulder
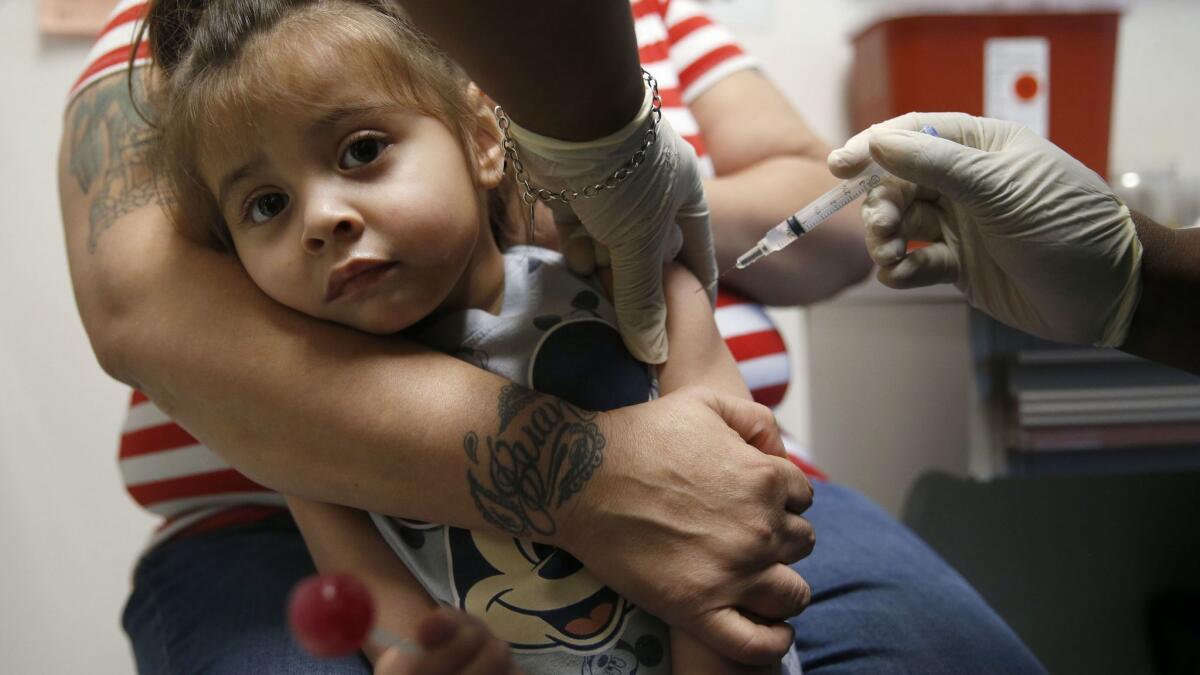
(520, 477)
(109, 153)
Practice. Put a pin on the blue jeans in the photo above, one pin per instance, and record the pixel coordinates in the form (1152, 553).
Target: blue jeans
(883, 602)
(216, 603)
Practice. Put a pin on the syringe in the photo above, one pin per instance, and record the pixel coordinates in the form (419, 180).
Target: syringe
(818, 211)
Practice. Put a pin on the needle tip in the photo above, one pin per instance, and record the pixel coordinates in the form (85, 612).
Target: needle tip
(709, 286)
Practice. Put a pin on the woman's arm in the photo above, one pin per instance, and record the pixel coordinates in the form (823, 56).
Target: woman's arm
(584, 124)
(530, 55)
(326, 413)
(284, 398)
(1166, 323)
(769, 164)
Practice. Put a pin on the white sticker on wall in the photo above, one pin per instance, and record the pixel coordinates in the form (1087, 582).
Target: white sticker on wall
(1016, 81)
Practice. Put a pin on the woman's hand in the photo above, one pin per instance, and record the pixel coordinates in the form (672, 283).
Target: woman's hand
(455, 643)
(697, 525)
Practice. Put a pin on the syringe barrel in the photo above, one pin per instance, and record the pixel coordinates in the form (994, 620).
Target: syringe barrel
(818, 210)
(806, 219)
(779, 236)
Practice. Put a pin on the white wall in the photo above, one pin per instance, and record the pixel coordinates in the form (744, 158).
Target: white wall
(1157, 98)
(68, 535)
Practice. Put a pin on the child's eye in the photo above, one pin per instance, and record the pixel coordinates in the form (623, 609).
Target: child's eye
(265, 207)
(361, 152)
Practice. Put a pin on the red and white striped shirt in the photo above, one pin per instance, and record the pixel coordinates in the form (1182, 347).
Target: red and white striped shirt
(170, 473)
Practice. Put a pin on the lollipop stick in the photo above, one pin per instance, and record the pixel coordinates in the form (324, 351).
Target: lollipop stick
(385, 638)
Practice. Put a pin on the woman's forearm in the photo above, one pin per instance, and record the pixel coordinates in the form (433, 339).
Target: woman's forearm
(311, 408)
(1166, 325)
(303, 407)
(567, 70)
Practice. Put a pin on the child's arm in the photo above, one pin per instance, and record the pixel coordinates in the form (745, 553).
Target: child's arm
(343, 539)
(698, 355)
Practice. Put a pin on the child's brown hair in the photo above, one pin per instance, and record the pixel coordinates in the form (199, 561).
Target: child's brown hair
(222, 60)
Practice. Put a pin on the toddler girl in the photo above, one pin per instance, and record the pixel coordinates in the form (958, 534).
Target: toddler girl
(360, 179)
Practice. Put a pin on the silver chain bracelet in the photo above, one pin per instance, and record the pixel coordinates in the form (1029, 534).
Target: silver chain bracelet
(531, 194)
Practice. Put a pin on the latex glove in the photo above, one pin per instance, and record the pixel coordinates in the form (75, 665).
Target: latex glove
(1028, 234)
(654, 215)
(698, 526)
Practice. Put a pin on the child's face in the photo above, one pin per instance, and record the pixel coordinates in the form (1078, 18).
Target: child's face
(361, 212)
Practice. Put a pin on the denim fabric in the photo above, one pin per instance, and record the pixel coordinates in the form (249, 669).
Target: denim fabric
(216, 603)
(884, 602)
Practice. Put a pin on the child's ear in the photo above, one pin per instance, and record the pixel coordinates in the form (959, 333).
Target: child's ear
(486, 139)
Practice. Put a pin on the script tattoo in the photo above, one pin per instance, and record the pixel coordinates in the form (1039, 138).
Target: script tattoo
(525, 475)
(110, 146)
(512, 400)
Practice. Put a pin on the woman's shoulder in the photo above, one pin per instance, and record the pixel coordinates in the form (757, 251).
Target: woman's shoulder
(114, 50)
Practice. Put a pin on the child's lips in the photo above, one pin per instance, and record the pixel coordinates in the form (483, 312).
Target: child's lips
(355, 275)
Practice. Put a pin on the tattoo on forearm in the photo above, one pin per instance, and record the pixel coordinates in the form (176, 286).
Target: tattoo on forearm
(512, 400)
(548, 457)
(110, 146)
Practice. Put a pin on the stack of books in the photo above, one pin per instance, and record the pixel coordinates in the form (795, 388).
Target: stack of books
(1086, 399)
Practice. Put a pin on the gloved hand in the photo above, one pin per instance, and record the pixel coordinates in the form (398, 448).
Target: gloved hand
(1027, 233)
(656, 213)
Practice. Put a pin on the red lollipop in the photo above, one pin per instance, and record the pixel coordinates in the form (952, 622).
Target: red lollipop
(333, 614)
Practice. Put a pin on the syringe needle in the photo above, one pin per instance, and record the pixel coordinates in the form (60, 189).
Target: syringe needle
(818, 211)
(709, 286)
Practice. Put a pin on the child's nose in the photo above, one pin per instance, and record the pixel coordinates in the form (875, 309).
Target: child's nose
(325, 230)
